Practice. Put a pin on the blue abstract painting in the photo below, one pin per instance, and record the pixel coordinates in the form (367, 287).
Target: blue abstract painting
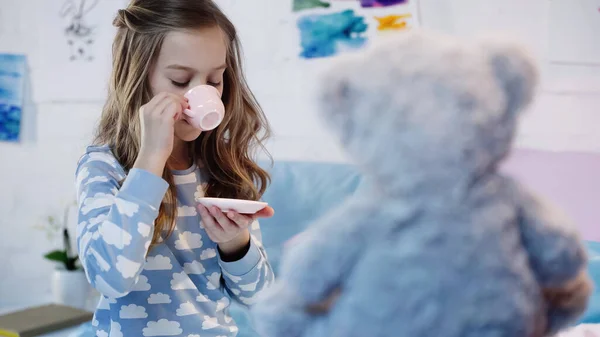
(12, 85)
(323, 35)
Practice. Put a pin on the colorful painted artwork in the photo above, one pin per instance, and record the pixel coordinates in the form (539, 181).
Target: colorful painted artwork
(382, 3)
(325, 35)
(331, 27)
(12, 85)
(308, 4)
(393, 22)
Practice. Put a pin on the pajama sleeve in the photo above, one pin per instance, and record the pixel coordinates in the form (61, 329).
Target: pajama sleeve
(115, 221)
(245, 278)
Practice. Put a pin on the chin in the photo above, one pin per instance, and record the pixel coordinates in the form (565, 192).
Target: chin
(186, 132)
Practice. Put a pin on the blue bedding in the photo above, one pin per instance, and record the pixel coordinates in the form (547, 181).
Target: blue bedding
(592, 315)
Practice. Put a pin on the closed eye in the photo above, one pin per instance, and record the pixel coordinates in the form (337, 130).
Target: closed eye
(180, 84)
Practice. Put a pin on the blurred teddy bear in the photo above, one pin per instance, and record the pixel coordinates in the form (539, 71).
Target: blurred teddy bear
(443, 244)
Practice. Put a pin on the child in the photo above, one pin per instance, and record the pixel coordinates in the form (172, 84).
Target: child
(165, 266)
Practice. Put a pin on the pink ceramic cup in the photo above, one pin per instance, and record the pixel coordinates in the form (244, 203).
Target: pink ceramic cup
(206, 110)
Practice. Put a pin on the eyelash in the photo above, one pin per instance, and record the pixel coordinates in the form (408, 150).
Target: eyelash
(183, 85)
(180, 85)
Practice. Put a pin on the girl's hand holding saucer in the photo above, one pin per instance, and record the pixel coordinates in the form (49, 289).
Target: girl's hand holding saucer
(230, 230)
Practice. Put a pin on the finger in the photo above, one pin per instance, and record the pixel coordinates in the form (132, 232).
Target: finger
(182, 100)
(150, 106)
(160, 106)
(242, 221)
(159, 103)
(171, 111)
(182, 105)
(209, 222)
(266, 212)
(185, 105)
(226, 224)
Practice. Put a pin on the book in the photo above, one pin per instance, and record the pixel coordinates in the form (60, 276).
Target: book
(41, 320)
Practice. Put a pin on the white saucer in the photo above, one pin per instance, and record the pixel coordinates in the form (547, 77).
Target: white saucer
(237, 205)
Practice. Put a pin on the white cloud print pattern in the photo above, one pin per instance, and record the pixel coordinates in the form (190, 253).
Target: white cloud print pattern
(158, 262)
(132, 311)
(208, 254)
(176, 287)
(126, 267)
(162, 327)
(142, 284)
(98, 201)
(81, 176)
(144, 229)
(188, 241)
(209, 323)
(115, 330)
(222, 303)
(186, 211)
(186, 309)
(214, 280)
(195, 267)
(126, 207)
(98, 179)
(114, 235)
(159, 298)
(103, 157)
(181, 281)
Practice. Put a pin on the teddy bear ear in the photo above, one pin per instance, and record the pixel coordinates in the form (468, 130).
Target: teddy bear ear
(514, 69)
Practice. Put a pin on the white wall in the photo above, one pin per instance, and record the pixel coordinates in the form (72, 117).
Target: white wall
(36, 176)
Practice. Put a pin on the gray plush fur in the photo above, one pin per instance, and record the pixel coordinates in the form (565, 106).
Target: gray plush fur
(443, 244)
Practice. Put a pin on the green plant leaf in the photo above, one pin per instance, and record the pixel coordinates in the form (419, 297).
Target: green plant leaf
(58, 256)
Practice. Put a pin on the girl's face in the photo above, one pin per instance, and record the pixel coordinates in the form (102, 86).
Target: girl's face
(188, 59)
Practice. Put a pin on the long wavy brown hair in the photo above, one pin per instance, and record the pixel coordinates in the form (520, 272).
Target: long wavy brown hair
(226, 153)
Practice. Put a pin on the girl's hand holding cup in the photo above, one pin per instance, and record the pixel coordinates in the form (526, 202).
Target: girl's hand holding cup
(157, 121)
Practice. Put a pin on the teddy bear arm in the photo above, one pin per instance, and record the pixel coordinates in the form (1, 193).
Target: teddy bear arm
(325, 254)
(567, 303)
(278, 312)
(556, 253)
(324, 257)
(312, 268)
